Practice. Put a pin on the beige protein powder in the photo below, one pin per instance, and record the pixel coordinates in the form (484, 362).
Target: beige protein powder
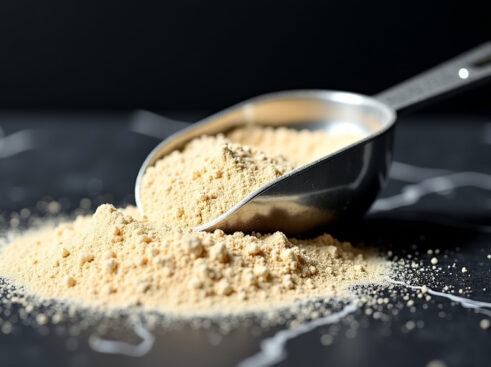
(205, 179)
(116, 258)
(299, 147)
(113, 259)
(212, 174)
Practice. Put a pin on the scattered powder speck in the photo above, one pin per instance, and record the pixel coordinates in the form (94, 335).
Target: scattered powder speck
(436, 363)
(485, 324)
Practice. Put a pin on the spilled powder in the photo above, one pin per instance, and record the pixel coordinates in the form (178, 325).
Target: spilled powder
(219, 171)
(113, 259)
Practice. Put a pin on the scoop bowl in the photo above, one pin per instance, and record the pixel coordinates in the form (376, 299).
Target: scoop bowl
(338, 187)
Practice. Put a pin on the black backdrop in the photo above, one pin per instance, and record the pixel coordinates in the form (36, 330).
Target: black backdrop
(197, 54)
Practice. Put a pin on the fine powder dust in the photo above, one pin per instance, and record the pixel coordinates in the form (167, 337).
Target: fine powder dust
(218, 172)
(116, 258)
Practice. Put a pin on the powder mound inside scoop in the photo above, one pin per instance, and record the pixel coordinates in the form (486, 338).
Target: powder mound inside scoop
(213, 173)
(205, 179)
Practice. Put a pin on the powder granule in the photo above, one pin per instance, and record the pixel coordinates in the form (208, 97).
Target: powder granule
(205, 179)
(113, 259)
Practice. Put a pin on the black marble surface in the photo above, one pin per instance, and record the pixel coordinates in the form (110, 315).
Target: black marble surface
(439, 196)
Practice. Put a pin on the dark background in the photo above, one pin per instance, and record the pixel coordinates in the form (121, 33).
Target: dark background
(205, 55)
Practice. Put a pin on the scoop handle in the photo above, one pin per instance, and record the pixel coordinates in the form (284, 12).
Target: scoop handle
(464, 70)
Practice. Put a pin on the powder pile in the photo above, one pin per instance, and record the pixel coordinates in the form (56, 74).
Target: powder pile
(218, 172)
(116, 258)
(113, 259)
(205, 179)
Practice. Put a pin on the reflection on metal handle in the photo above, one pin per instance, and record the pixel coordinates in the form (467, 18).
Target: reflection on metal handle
(463, 70)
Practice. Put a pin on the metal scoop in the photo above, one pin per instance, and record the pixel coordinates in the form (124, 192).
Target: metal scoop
(340, 186)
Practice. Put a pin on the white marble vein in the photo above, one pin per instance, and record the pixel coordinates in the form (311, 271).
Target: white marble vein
(119, 347)
(16, 143)
(273, 349)
(413, 193)
(479, 306)
(151, 124)
(409, 173)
